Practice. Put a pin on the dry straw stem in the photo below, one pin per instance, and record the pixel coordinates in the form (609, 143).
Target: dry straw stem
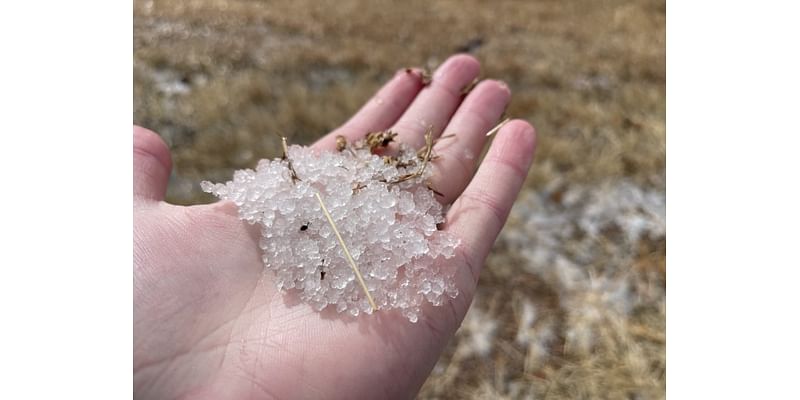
(346, 252)
(333, 226)
(295, 178)
(425, 158)
(468, 88)
(428, 150)
(497, 127)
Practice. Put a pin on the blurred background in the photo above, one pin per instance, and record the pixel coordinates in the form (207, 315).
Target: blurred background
(571, 302)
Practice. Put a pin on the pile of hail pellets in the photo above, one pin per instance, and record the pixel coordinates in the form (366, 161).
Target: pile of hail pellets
(385, 213)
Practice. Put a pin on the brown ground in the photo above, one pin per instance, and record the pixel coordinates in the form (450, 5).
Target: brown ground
(215, 78)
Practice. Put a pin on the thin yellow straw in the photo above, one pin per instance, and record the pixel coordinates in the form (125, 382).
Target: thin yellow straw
(497, 127)
(347, 253)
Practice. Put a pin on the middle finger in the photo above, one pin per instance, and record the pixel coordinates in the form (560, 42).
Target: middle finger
(436, 103)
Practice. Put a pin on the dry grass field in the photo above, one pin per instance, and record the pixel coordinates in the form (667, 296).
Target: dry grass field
(572, 299)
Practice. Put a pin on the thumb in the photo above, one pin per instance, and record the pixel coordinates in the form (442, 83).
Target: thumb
(151, 165)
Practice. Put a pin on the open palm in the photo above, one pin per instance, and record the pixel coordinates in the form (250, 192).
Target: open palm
(210, 324)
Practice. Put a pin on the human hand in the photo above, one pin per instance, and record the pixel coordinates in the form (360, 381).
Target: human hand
(209, 324)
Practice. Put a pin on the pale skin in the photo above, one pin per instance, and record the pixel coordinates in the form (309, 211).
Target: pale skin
(209, 322)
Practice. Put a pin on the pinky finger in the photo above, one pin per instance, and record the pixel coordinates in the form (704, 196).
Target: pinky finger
(479, 214)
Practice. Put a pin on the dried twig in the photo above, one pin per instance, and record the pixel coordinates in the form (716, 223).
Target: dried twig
(429, 151)
(358, 186)
(295, 178)
(347, 252)
(421, 152)
(425, 159)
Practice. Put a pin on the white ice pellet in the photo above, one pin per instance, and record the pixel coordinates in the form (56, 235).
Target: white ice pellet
(390, 229)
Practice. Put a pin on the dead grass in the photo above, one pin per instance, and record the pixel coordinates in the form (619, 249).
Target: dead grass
(217, 78)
